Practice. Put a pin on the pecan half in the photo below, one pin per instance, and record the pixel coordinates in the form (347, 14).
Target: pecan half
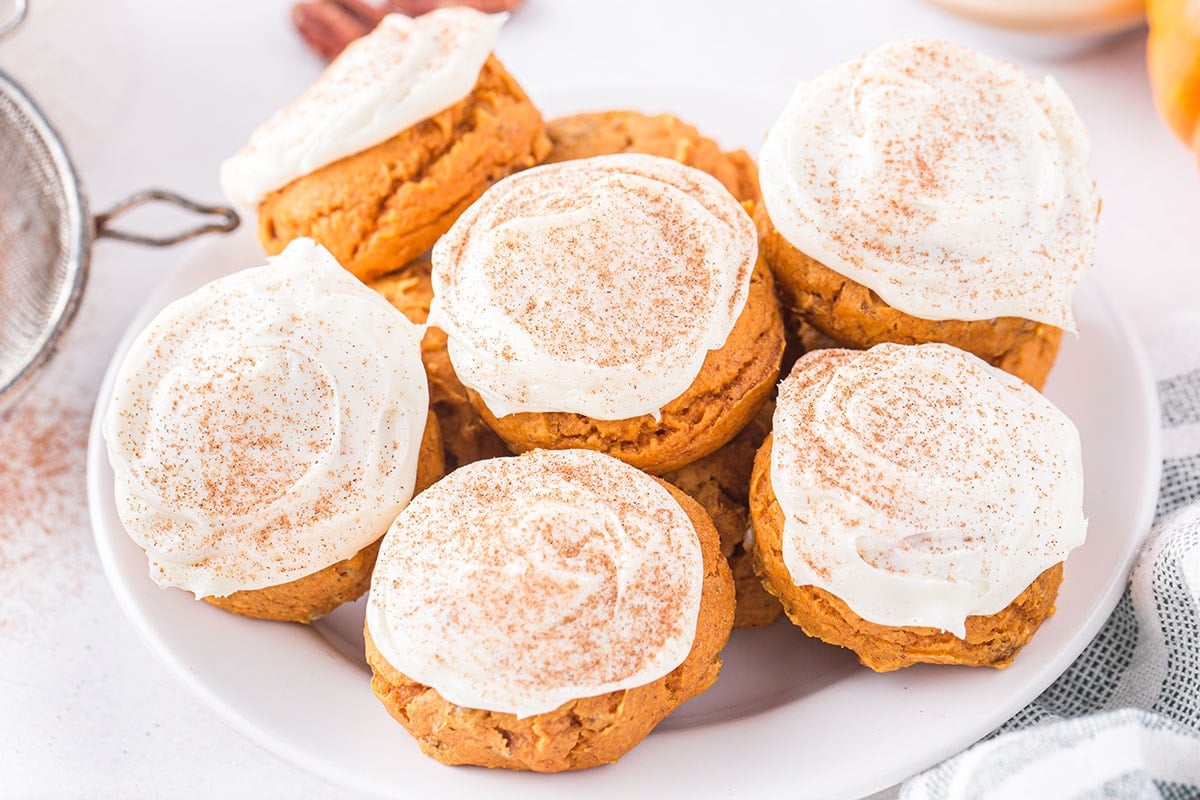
(329, 26)
(415, 8)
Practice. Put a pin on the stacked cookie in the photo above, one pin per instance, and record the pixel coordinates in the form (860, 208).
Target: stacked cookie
(928, 193)
(923, 193)
(609, 295)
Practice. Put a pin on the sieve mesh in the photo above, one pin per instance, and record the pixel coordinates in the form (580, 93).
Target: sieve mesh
(46, 232)
(43, 240)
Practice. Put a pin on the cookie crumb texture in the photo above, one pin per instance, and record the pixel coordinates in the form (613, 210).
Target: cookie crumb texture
(992, 640)
(313, 596)
(851, 315)
(466, 438)
(379, 209)
(721, 483)
(607, 132)
(581, 733)
(734, 383)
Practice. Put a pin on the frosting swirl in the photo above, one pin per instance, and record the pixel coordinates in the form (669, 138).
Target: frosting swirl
(948, 182)
(560, 575)
(595, 286)
(266, 426)
(921, 485)
(402, 72)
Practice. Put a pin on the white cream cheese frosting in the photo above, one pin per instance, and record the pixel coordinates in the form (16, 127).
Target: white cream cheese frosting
(595, 286)
(405, 71)
(948, 182)
(266, 426)
(920, 484)
(558, 575)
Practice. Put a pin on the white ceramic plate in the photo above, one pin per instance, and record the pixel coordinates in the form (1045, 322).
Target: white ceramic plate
(789, 717)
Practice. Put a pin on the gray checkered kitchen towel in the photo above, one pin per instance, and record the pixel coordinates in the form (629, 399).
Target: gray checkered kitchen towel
(1124, 720)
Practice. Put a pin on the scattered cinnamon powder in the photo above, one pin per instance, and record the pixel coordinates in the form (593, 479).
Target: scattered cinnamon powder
(43, 507)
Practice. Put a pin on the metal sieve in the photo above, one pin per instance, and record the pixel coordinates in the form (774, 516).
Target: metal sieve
(46, 234)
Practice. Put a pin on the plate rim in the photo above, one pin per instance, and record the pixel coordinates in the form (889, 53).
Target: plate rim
(302, 759)
(299, 757)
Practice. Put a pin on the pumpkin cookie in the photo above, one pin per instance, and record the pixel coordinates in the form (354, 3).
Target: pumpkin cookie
(914, 504)
(613, 303)
(927, 193)
(315, 595)
(265, 430)
(721, 483)
(566, 607)
(604, 133)
(399, 135)
(465, 436)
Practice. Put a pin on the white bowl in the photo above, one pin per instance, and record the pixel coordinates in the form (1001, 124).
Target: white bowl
(1050, 28)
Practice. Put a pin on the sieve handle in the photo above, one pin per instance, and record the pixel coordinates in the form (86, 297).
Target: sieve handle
(227, 219)
(14, 19)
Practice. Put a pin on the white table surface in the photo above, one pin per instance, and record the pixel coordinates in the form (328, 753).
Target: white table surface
(152, 93)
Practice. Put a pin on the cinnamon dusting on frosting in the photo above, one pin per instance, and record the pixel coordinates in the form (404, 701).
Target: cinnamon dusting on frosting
(921, 485)
(401, 73)
(594, 286)
(560, 575)
(948, 182)
(266, 426)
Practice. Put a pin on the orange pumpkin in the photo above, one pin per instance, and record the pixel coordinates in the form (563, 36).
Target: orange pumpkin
(1173, 55)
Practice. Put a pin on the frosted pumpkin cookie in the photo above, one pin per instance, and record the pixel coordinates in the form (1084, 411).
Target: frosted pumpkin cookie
(265, 430)
(914, 504)
(567, 606)
(613, 303)
(720, 482)
(465, 436)
(401, 133)
(928, 193)
(604, 133)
